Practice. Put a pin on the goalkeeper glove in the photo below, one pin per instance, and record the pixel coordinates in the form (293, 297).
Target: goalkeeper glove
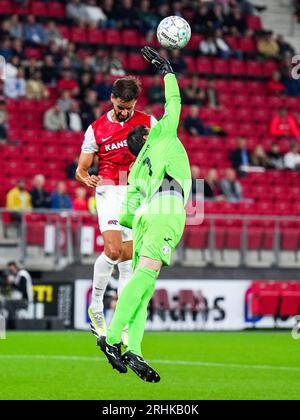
(162, 64)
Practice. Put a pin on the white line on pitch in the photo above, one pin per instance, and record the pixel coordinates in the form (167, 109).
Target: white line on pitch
(163, 362)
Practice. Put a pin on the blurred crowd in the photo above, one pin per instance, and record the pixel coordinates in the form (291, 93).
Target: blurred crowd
(64, 71)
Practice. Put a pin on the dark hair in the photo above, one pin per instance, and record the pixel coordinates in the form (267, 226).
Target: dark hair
(135, 139)
(12, 263)
(127, 89)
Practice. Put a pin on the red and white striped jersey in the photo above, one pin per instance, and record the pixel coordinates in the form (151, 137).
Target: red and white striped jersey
(108, 139)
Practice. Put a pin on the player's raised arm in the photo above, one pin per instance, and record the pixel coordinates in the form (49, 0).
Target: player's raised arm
(172, 92)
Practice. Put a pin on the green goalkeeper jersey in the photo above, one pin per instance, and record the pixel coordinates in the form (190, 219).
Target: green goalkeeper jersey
(162, 156)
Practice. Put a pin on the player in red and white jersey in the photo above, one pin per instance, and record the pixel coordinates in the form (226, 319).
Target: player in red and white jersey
(106, 138)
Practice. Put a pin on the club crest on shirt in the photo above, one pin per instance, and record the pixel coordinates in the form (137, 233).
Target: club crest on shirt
(166, 249)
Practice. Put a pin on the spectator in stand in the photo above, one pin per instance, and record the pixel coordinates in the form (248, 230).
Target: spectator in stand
(292, 86)
(55, 119)
(109, 10)
(68, 83)
(178, 63)
(71, 168)
(74, 122)
(112, 64)
(86, 82)
(212, 188)
(193, 94)
(211, 95)
(34, 33)
(31, 68)
(65, 101)
(35, 88)
(155, 92)
(148, 20)
(80, 203)
(275, 157)
(236, 22)
(104, 88)
(93, 14)
(217, 16)
(201, 21)
(127, 16)
(71, 54)
(6, 49)
(56, 52)
(11, 68)
(267, 45)
(18, 198)
(3, 120)
(194, 125)
(195, 173)
(231, 188)
(54, 35)
(240, 157)
(292, 158)
(284, 47)
(18, 48)
(214, 45)
(60, 200)
(259, 157)
(275, 85)
(284, 125)
(40, 198)
(49, 71)
(75, 11)
(88, 107)
(87, 66)
(16, 27)
(15, 87)
(92, 205)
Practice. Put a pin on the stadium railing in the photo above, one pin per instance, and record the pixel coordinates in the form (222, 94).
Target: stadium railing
(47, 240)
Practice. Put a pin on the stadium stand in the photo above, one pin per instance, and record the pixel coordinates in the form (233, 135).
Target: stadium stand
(246, 108)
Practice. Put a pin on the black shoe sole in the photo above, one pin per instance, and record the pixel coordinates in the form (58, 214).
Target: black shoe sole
(117, 364)
(148, 374)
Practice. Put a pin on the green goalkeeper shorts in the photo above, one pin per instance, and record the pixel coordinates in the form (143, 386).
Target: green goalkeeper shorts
(158, 227)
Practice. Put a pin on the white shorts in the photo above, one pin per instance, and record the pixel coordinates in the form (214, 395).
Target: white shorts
(109, 200)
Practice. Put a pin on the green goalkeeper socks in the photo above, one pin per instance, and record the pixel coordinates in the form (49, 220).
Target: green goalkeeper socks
(132, 309)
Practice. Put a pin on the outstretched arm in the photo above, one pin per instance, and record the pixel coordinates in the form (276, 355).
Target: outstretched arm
(173, 103)
(171, 117)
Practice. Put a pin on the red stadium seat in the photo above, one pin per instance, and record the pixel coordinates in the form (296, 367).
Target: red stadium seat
(254, 68)
(6, 7)
(56, 9)
(254, 22)
(237, 67)
(95, 36)
(78, 35)
(247, 45)
(112, 37)
(130, 37)
(204, 65)
(39, 8)
(160, 300)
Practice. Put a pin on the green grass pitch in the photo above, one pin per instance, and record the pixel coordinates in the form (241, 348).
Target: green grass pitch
(68, 365)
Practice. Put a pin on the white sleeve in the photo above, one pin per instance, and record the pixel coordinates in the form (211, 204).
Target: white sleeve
(153, 121)
(89, 144)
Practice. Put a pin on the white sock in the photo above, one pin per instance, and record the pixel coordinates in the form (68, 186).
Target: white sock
(126, 272)
(103, 269)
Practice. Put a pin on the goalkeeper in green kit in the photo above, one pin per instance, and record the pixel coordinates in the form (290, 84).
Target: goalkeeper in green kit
(158, 190)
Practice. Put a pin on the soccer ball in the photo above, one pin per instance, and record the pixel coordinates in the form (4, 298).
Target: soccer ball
(173, 32)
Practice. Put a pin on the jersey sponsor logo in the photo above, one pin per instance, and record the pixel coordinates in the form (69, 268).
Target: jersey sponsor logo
(166, 249)
(106, 138)
(113, 222)
(115, 146)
